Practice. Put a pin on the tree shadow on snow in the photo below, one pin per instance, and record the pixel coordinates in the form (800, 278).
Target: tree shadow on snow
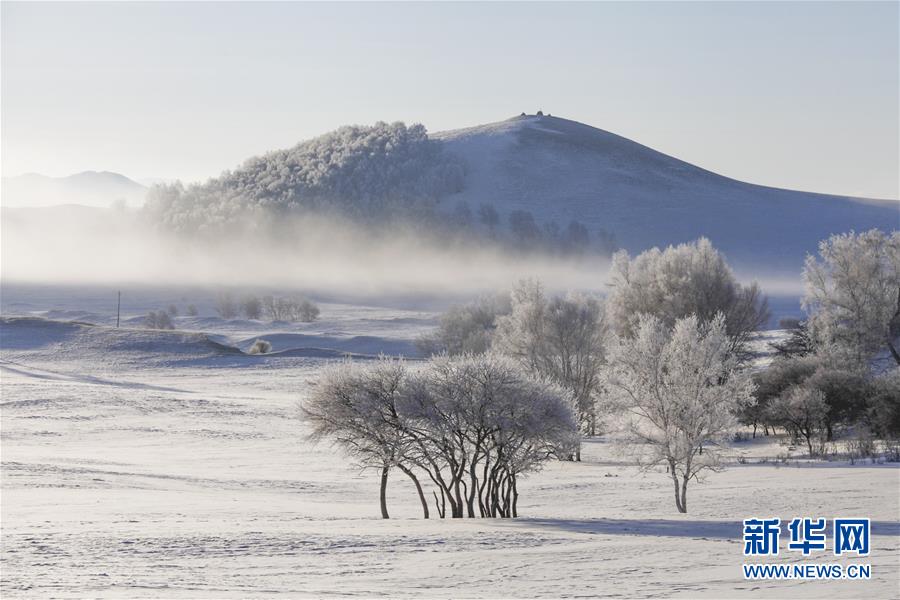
(730, 530)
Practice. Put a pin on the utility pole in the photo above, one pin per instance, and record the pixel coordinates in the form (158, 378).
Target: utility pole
(118, 308)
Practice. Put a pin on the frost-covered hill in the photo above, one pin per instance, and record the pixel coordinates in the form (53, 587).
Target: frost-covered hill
(561, 170)
(556, 169)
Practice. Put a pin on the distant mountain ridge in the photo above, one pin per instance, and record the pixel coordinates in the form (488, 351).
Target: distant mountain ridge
(93, 188)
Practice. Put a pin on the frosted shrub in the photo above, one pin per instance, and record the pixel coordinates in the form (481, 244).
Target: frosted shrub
(260, 347)
(307, 311)
(251, 307)
(226, 306)
(159, 320)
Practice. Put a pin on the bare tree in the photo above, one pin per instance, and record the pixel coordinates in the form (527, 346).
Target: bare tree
(682, 386)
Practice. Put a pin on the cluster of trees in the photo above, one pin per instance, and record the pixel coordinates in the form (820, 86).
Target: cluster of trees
(829, 377)
(356, 171)
(272, 307)
(469, 426)
(523, 233)
(668, 349)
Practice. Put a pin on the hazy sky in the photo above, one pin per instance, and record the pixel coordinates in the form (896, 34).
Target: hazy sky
(798, 95)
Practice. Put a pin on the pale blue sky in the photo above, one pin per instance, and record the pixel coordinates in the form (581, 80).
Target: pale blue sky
(797, 95)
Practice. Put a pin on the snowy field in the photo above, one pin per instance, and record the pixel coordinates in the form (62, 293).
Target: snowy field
(156, 464)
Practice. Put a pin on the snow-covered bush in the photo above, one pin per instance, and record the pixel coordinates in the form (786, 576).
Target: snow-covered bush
(158, 320)
(681, 386)
(466, 329)
(684, 280)
(261, 347)
(289, 309)
(853, 293)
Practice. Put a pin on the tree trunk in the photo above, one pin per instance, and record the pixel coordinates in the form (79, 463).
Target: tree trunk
(515, 498)
(684, 494)
(384, 478)
(418, 489)
(675, 481)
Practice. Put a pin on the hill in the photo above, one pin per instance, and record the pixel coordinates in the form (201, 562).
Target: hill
(539, 173)
(559, 170)
(92, 188)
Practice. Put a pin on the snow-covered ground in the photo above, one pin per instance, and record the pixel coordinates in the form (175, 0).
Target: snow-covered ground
(158, 464)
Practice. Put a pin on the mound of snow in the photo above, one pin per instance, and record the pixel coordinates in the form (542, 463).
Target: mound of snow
(22, 337)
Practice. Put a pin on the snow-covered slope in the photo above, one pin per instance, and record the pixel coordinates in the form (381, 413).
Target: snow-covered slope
(561, 170)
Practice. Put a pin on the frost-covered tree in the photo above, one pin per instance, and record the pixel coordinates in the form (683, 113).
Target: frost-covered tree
(561, 338)
(853, 292)
(357, 171)
(576, 239)
(524, 230)
(226, 306)
(801, 410)
(356, 407)
(472, 424)
(192, 310)
(466, 329)
(681, 385)
(481, 422)
(683, 280)
(172, 310)
(307, 311)
(488, 216)
(251, 306)
(883, 410)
